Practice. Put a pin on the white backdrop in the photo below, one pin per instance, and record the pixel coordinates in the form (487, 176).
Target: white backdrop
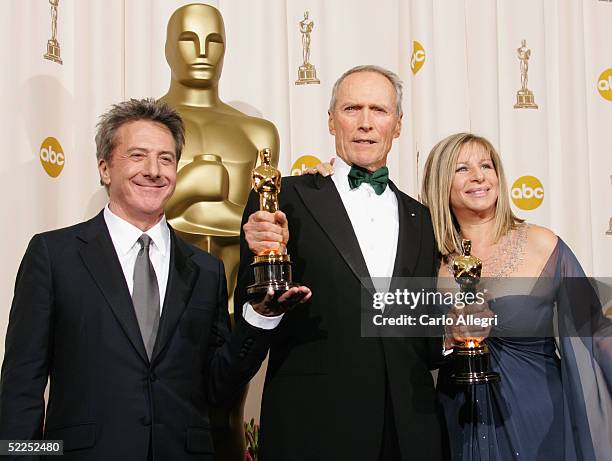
(114, 49)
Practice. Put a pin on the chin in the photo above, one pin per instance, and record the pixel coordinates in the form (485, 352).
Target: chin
(365, 160)
(481, 208)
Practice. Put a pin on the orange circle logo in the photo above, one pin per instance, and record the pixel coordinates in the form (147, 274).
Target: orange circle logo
(604, 84)
(52, 156)
(418, 57)
(527, 192)
(303, 163)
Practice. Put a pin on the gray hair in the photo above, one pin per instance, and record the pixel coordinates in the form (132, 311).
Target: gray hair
(147, 109)
(391, 76)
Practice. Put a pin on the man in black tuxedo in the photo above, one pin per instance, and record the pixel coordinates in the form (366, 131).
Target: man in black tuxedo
(331, 394)
(131, 378)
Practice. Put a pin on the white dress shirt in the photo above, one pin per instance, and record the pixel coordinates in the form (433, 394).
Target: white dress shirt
(125, 240)
(375, 220)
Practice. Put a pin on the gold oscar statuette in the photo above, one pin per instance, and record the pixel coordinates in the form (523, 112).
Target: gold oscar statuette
(53, 46)
(272, 269)
(470, 358)
(524, 96)
(306, 73)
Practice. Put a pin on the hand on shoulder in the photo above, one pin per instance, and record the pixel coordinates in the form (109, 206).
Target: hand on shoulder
(324, 168)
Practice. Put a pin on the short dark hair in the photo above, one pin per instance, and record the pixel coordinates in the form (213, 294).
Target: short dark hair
(148, 109)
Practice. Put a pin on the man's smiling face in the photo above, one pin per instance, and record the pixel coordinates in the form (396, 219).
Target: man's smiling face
(364, 119)
(141, 173)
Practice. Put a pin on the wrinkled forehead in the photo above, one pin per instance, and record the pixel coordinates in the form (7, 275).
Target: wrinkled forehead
(201, 20)
(367, 87)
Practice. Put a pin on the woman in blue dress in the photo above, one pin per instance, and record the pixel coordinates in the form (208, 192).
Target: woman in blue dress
(551, 346)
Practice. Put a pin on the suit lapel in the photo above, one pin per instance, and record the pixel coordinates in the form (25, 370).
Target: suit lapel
(100, 258)
(182, 276)
(325, 205)
(409, 237)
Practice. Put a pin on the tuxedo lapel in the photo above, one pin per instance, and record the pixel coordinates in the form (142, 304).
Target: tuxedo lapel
(181, 279)
(409, 238)
(325, 205)
(100, 258)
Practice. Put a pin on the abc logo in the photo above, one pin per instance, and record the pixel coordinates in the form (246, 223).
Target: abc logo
(418, 57)
(527, 192)
(303, 163)
(604, 84)
(52, 156)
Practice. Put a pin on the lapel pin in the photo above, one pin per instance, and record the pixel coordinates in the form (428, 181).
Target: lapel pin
(412, 214)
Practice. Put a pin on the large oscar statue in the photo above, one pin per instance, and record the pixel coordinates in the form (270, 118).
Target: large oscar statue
(214, 177)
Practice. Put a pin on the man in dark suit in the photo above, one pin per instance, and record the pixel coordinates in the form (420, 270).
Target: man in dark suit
(128, 322)
(331, 394)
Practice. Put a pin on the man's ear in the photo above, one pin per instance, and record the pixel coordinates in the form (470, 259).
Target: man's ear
(330, 123)
(398, 126)
(103, 169)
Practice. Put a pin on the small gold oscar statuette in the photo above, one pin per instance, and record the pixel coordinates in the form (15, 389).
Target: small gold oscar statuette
(307, 72)
(470, 359)
(53, 46)
(272, 269)
(524, 96)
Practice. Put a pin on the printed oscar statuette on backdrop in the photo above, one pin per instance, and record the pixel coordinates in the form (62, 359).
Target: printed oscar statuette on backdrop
(53, 46)
(524, 96)
(470, 358)
(271, 268)
(306, 73)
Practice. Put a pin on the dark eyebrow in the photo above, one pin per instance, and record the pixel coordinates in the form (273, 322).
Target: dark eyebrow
(142, 149)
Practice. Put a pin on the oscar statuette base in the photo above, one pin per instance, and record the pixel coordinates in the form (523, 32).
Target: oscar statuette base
(525, 100)
(307, 74)
(53, 52)
(271, 271)
(471, 366)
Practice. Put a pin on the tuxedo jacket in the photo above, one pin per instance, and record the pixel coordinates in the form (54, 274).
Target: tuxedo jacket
(325, 388)
(72, 321)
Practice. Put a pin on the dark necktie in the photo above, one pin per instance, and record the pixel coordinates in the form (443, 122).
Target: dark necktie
(145, 295)
(378, 180)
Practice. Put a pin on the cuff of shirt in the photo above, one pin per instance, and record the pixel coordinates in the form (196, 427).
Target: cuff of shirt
(257, 320)
(446, 351)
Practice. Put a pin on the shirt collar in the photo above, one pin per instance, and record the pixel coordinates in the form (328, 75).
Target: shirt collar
(126, 235)
(340, 176)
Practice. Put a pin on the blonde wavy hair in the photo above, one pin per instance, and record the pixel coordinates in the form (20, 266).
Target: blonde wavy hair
(437, 181)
